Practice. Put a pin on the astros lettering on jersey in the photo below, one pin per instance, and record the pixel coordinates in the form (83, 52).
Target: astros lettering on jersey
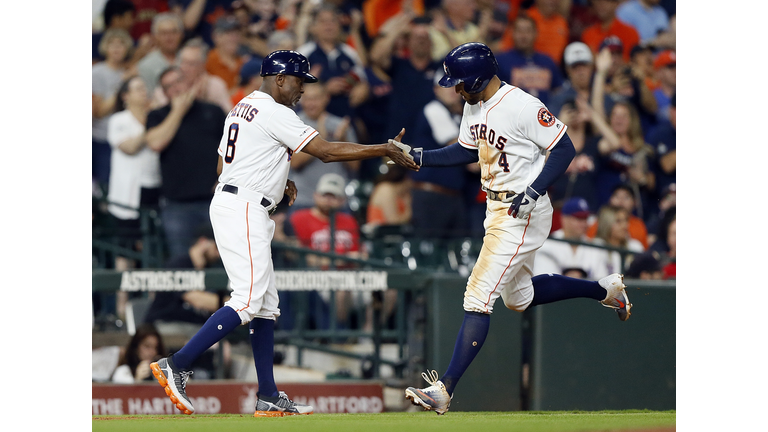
(512, 133)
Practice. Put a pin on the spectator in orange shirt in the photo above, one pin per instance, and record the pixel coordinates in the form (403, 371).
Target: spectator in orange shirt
(552, 28)
(377, 12)
(224, 60)
(624, 197)
(609, 25)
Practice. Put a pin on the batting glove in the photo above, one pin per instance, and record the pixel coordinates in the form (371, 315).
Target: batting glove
(523, 204)
(413, 153)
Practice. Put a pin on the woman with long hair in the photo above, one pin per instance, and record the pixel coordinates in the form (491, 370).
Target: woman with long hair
(144, 347)
(613, 231)
(623, 154)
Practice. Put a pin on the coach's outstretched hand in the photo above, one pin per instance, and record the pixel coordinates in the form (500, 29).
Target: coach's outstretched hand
(401, 153)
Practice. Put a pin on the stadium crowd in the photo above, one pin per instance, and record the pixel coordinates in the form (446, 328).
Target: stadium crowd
(606, 68)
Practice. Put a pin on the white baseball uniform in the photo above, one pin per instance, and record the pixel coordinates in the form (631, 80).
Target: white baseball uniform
(512, 133)
(260, 136)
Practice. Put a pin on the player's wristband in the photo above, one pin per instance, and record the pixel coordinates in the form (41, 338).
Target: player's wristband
(532, 193)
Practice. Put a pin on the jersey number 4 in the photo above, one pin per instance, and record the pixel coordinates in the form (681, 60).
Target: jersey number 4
(503, 162)
(229, 154)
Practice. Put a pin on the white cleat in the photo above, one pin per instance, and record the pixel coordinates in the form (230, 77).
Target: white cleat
(433, 398)
(617, 295)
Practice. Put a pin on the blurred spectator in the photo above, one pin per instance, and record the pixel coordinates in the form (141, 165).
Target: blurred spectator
(665, 243)
(624, 156)
(608, 25)
(167, 34)
(312, 227)
(411, 77)
(666, 73)
(441, 188)
(261, 18)
(199, 16)
(391, 199)
(186, 132)
(613, 231)
(306, 170)
(249, 80)
(624, 196)
(579, 66)
(335, 63)
(146, 11)
(559, 257)
(645, 266)
(663, 139)
(553, 33)
(524, 67)
(145, 347)
(646, 16)
(106, 77)
(191, 62)
(669, 246)
(580, 16)
(117, 15)
(641, 57)
(134, 179)
(666, 204)
(453, 24)
(621, 81)
(225, 60)
(580, 177)
(377, 12)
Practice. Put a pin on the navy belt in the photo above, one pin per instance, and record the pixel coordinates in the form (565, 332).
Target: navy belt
(233, 190)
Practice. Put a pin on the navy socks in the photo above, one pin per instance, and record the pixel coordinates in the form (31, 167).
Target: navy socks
(220, 324)
(263, 345)
(472, 334)
(548, 288)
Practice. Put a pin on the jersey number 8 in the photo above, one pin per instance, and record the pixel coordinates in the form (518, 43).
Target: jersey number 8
(229, 155)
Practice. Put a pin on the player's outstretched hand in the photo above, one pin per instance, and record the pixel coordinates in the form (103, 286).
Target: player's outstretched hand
(291, 191)
(523, 204)
(401, 153)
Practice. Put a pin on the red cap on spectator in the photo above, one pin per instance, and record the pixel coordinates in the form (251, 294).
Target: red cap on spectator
(664, 59)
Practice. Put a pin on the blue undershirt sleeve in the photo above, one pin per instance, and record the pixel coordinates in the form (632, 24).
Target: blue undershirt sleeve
(454, 154)
(557, 162)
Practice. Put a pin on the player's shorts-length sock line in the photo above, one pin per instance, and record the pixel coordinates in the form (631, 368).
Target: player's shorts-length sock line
(550, 288)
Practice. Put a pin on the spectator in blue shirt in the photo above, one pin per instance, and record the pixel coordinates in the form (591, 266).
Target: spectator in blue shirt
(411, 77)
(663, 139)
(439, 187)
(335, 63)
(646, 16)
(522, 66)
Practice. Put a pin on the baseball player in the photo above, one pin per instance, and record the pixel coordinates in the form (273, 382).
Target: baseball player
(261, 133)
(508, 133)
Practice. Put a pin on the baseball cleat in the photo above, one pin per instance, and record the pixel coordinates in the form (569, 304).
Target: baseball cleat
(433, 398)
(617, 295)
(174, 382)
(279, 406)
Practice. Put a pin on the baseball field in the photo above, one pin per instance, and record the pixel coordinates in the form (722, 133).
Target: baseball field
(544, 421)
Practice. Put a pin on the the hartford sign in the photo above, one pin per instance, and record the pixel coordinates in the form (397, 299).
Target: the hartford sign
(221, 397)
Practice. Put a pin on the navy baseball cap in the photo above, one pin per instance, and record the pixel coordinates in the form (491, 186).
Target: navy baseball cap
(613, 43)
(576, 207)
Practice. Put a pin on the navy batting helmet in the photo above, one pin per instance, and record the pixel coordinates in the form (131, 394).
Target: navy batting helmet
(287, 63)
(472, 63)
